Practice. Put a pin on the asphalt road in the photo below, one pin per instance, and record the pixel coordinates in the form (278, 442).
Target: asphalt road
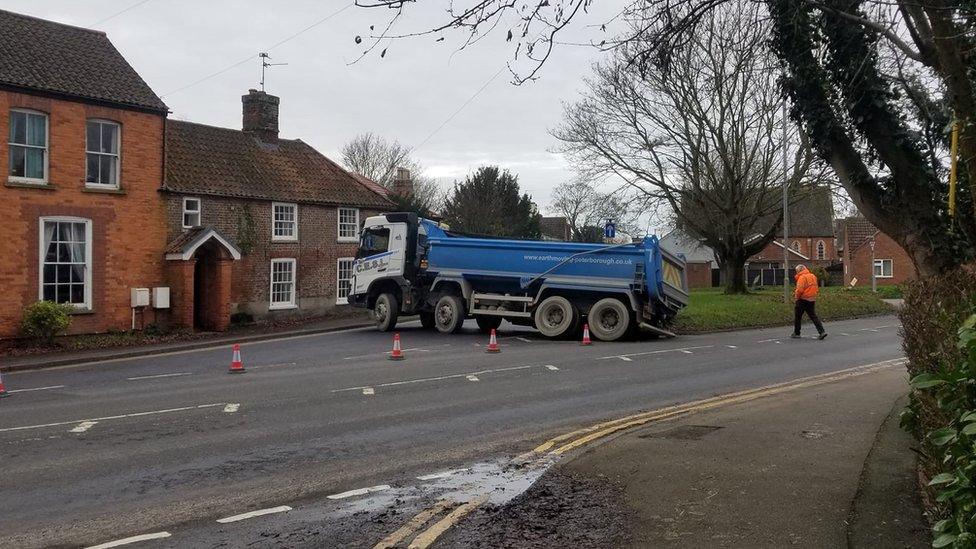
(98, 452)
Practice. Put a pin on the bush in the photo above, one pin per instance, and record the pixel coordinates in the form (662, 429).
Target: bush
(822, 277)
(46, 319)
(241, 319)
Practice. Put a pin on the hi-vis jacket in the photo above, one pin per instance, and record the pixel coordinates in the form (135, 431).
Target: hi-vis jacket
(806, 286)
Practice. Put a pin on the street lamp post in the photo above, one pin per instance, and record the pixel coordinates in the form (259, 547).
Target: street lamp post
(874, 269)
(786, 218)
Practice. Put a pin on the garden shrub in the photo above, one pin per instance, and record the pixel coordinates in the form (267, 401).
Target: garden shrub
(822, 277)
(241, 319)
(46, 319)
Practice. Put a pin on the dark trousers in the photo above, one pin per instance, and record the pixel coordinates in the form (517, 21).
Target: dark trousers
(810, 308)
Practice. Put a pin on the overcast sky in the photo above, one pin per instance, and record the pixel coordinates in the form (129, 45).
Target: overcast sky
(326, 99)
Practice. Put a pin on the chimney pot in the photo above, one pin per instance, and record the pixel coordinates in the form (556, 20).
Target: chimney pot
(261, 115)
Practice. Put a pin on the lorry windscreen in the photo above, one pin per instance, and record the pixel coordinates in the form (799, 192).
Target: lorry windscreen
(375, 241)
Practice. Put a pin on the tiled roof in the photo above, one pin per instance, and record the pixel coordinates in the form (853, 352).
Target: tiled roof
(859, 231)
(371, 185)
(813, 214)
(218, 161)
(52, 57)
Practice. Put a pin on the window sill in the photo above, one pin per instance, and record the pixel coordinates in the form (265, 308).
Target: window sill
(342, 301)
(281, 307)
(285, 240)
(102, 190)
(81, 311)
(21, 184)
(348, 240)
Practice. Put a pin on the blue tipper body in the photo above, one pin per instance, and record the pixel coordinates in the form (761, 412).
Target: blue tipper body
(520, 266)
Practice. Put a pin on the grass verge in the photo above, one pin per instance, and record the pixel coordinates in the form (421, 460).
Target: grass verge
(710, 309)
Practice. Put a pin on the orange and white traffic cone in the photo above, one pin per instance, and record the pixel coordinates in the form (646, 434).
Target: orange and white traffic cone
(236, 365)
(493, 343)
(3, 390)
(397, 353)
(586, 335)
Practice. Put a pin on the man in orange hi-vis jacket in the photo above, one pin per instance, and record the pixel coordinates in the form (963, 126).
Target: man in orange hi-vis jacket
(806, 301)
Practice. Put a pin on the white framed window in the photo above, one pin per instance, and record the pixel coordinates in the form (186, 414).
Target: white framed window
(283, 284)
(883, 268)
(102, 153)
(821, 249)
(343, 279)
(28, 143)
(65, 258)
(796, 245)
(348, 224)
(284, 221)
(192, 208)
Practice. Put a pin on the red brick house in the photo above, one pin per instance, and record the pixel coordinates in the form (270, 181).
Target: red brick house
(258, 224)
(82, 137)
(889, 261)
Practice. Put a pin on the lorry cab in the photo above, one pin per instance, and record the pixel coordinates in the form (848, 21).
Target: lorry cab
(385, 264)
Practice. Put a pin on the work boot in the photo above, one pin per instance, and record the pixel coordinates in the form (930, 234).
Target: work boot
(823, 335)
(795, 336)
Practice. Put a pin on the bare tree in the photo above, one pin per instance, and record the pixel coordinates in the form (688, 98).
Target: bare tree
(585, 207)
(377, 158)
(703, 138)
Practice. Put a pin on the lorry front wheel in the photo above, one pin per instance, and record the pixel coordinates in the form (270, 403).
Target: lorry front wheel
(609, 319)
(449, 314)
(488, 323)
(427, 320)
(385, 312)
(556, 316)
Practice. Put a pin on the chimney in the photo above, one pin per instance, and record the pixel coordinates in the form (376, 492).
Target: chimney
(261, 115)
(403, 185)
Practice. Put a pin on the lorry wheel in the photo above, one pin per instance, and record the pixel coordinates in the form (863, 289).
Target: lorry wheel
(427, 320)
(488, 323)
(609, 319)
(556, 316)
(385, 312)
(449, 314)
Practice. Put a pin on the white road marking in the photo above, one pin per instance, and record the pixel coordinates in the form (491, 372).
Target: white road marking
(106, 418)
(410, 350)
(687, 352)
(778, 342)
(681, 350)
(271, 365)
(36, 389)
(368, 391)
(732, 346)
(768, 340)
(442, 474)
(252, 514)
(133, 539)
(625, 358)
(868, 330)
(473, 378)
(360, 491)
(551, 367)
(159, 375)
(845, 334)
(83, 426)
(438, 378)
(231, 408)
(525, 339)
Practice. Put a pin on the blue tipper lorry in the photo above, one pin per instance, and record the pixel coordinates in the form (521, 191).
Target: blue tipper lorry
(407, 265)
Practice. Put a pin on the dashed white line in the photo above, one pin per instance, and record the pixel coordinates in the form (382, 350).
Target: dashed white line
(845, 334)
(525, 339)
(768, 340)
(83, 426)
(868, 330)
(551, 367)
(231, 408)
(686, 350)
(732, 346)
(368, 391)
(252, 514)
(442, 474)
(133, 539)
(106, 418)
(259, 366)
(473, 378)
(438, 378)
(37, 389)
(360, 491)
(625, 358)
(177, 374)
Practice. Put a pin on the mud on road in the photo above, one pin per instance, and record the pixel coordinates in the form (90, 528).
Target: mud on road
(562, 509)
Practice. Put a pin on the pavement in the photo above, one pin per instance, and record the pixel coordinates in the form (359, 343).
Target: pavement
(324, 442)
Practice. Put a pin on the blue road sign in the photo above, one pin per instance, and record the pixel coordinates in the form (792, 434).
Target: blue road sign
(610, 229)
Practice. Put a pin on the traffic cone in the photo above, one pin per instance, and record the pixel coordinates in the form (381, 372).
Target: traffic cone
(586, 335)
(3, 390)
(397, 353)
(493, 343)
(236, 365)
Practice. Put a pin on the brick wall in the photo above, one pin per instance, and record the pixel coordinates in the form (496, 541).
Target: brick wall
(858, 264)
(316, 252)
(128, 228)
(699, 274)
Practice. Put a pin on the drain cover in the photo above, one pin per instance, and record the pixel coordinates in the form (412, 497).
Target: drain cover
(684, 432)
